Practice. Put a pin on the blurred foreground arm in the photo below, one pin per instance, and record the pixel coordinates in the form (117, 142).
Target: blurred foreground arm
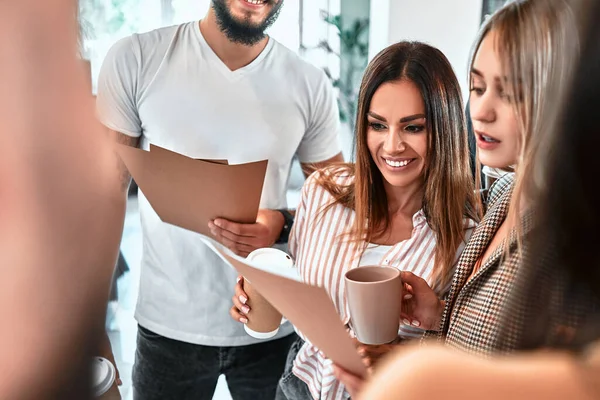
(435, 372)
(61, 225)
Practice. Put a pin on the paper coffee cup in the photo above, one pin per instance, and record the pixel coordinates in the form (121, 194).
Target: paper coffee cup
(104, 375)
(264, 319)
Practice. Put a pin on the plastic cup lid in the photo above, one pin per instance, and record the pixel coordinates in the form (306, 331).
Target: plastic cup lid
(271, 257)
(104, 375)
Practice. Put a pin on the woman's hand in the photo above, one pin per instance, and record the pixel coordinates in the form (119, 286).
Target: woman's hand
(371, 354)
(351, 382)
(240, 309)
(421, 307)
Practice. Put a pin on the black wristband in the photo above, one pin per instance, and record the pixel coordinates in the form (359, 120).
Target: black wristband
(287, 226)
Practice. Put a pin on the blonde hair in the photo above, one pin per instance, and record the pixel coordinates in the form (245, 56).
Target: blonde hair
(537, 41)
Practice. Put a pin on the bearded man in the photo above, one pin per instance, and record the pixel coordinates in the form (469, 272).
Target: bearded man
(219, 88)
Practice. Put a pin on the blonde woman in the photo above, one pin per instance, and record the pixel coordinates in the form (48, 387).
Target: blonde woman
(520, 50)
(560, 278)
(518, 53)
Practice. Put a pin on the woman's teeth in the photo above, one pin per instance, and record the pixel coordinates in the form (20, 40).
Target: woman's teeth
(256, 2)
(397, 164)
(489, 139)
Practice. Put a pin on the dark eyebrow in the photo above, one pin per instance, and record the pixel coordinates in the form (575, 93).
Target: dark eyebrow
(405, 119)
(412, 117)
(476, 72)
(373, 115)
(479, 74)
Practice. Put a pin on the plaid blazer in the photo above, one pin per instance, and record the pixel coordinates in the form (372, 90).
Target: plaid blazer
(474, 308)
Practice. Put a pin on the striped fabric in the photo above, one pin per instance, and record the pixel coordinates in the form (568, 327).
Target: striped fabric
(323, 255)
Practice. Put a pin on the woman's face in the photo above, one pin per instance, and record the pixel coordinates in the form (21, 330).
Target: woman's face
(492, 110)
(397, 133)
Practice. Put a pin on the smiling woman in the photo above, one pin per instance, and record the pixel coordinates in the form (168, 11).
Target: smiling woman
(398, 146)
(407, 203)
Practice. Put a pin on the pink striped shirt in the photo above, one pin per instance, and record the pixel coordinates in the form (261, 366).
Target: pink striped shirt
(323, 257)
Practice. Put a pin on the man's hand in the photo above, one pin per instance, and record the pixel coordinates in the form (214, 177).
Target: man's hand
(242, 239)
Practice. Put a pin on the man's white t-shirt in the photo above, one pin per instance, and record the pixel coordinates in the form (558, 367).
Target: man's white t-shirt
(170, 88)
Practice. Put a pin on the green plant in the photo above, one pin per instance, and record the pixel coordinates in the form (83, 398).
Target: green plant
(354, 52)
(108, 17)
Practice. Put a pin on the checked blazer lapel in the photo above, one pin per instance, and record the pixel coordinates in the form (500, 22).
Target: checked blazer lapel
(474, 249)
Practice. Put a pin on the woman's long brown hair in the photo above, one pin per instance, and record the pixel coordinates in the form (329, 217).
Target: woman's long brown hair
(449, 194)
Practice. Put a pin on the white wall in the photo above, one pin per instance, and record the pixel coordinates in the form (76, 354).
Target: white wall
(316, 30)
(449, 25)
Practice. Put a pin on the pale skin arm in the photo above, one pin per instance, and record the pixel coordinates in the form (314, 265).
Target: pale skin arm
(245, 238)
(429, 372)
(124, 176)
(124, 180)
(58, 236)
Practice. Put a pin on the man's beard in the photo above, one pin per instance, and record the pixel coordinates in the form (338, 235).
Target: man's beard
(243, 32)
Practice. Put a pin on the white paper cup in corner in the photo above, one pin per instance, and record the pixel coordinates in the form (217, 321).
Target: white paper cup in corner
(104, 375)
(265, 314)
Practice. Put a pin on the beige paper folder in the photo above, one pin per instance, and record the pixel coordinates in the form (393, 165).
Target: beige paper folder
(309, 308)
(189, 193)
